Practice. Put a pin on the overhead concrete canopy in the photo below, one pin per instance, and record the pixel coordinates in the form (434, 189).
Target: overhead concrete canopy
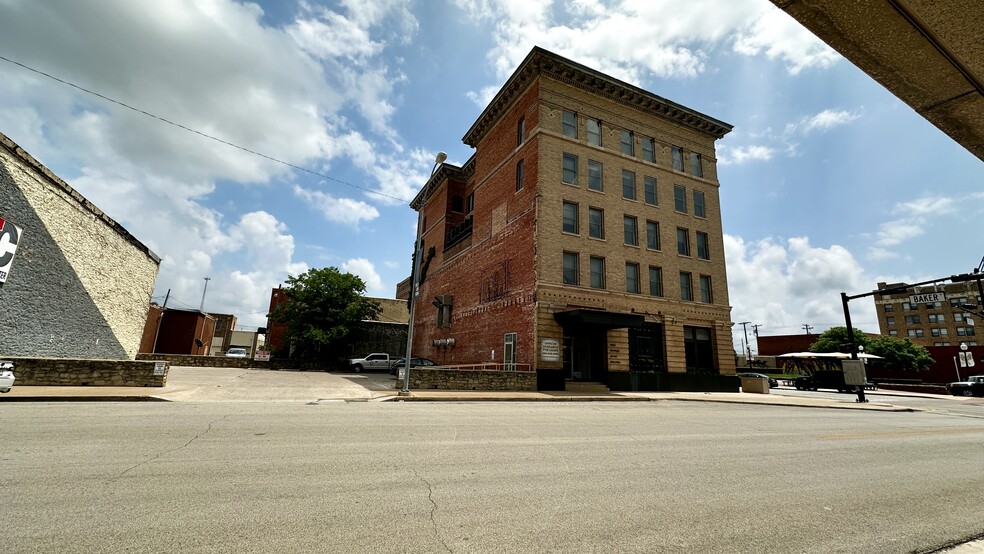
(929, 53)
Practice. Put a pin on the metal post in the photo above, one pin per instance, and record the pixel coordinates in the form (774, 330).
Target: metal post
(956, 367)
(201, 308)
(850, 340)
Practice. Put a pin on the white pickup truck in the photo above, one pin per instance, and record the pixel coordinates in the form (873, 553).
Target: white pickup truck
(973, 386)
(372, 362)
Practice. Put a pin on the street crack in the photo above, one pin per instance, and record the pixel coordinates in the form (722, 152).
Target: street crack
(182, 447)
(430, 497)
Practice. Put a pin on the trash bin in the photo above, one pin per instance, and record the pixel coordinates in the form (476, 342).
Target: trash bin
(759, 385)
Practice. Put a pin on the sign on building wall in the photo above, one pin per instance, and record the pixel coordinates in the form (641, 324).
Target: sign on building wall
(927, 298)
(9, 236)
(550, 350)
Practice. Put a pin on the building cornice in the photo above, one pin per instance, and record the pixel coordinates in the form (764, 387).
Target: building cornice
(444, 172)
(543, 63)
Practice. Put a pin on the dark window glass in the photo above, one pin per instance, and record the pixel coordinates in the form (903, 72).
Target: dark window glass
(594, 132)
(570, 268)
(596, 180)
(680, 199)
(570, 217)
(655, 281)
(570, 124)
(699, 204)
(627, 143)
(570, 169)
(520, 176)
(705, 289)
(648, 150)
(596, 223)
(683, 242)
(677, 153)
(632, 278)
(628, 184)
(652, 235)
(696, 169)
(703, 252)
(650, 190)
(521, 131)
(686, 286)
(597, 272)
(631, 227)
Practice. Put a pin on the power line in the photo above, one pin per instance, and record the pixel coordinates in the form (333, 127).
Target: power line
(200, 133)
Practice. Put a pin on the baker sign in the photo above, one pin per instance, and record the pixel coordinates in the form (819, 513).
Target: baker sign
(9, 235)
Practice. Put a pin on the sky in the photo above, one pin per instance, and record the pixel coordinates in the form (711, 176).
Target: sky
(829, 183)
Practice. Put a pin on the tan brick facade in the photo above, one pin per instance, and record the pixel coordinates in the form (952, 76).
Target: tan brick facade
(929, 323)
(507, 275)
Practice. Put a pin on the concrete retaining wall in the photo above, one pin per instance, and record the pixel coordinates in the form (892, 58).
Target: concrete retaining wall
(94, 373)
(243, 363)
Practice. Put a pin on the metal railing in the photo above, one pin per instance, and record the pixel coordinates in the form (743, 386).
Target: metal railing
(488, 366)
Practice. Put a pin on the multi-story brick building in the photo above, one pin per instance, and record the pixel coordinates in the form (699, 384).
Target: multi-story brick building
(582, 239)
(929, 323)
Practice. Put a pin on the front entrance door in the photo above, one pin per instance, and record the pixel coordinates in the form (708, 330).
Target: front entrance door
(584, 356)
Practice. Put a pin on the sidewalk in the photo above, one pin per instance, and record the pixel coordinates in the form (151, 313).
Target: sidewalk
(180, 392)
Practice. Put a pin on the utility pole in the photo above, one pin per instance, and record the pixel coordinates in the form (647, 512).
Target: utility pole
(748, 349)
(160, 319)
(807, 327)
(201, 308)
(755, 332)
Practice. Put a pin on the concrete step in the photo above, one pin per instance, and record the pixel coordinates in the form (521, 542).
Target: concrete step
(585, 386)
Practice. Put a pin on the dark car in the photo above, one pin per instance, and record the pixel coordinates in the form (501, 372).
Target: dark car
(414, 362)
(824, 380)
(772, 382)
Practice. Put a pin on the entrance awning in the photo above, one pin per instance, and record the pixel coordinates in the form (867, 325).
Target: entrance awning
(599, 318)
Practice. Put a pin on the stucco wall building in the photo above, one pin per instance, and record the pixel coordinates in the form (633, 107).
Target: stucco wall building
(582, 239)
(80, 284)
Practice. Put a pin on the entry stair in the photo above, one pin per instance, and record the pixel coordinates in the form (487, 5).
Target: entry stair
(586, 387)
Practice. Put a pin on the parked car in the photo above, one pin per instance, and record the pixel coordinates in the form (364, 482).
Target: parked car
(824, 380)
(414, 362)
(772, 382)
(973, 386)
(6, 375)
(373, 362)
(236, 353)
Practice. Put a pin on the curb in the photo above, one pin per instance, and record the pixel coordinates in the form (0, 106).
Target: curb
(124, 398)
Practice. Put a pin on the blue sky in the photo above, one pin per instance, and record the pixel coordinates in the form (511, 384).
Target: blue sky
(828, 182)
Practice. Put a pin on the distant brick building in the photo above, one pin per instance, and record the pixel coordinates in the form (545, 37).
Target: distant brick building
(80, 283)
(936, 323)
(177, 331)
(582, 239)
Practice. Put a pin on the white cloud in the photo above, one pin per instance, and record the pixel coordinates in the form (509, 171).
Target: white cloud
(339, 210)
(779, 36)
(738, 155)
(828, 119)
(367, 271)
(783, 285)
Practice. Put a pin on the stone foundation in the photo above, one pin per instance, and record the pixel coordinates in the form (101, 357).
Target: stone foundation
(93, 373)
(452, 379)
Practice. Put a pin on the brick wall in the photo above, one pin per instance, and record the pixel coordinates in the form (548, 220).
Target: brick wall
(93, 373)
(448, 379)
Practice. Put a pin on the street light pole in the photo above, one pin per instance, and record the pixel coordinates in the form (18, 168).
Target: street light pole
(201, 308)
(415, 281)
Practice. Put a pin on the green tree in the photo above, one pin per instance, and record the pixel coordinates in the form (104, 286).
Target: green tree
(324, 312)
(835, 340)
(899, 354)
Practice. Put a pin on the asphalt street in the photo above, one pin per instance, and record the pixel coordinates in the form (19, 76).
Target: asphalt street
(330, 476)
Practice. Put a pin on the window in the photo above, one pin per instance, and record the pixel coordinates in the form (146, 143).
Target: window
(570, 169)
(596, 223)
(520, 170)
(686, 286)
(696, 169)
(570, 217)
(509, 351)
(631, 230)
(597, 272)
(570, 268)
(443, 304)
(890, 320)
(648, 150)
(893, 333)
(652, 235)
(680, 199)
(520, 131)
(594, 132)
(937, 318)
(649, 184)
(699, 204)
(705, 289)
(628, 185)
(907, 307)
(655, 281)
(683, 242)
(457, 204)
(965, 331)
(913, 320)
(703, 253)
(632, 278)
(677, 153)
(917, 333)
(596, 180)
(938, 332)
(570, 124)
(889, 307)
(470, 203)
(934, 306)
(957, 302)
(958, 317)
(627, 143)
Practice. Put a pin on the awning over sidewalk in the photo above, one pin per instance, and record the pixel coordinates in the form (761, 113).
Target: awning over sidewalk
(599, 318)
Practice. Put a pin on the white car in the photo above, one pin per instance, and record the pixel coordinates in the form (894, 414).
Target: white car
(6, 375)
(236, 353)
